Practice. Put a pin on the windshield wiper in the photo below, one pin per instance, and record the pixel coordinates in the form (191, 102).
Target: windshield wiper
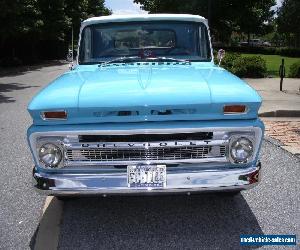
(132, 58)
(119, 59)
(163, 58)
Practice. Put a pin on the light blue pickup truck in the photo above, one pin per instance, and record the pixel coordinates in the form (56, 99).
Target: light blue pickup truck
(145, 111)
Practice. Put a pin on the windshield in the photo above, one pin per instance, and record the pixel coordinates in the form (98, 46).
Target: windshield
(152, 39)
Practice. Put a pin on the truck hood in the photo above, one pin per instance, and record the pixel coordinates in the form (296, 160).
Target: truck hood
(144, 92)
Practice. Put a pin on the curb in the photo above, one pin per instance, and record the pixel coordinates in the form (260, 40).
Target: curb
(281, 113)
(292, 150)
(47, 236)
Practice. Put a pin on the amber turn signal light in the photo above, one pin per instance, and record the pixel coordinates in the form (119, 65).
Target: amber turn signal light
(234, 109)
(60, 115)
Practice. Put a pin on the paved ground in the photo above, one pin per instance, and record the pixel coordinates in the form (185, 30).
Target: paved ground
(20, 208)
(195, 222)
(202, 222)
(273, 99)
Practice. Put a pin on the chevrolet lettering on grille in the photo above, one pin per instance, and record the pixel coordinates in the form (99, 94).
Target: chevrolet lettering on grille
(151, 144)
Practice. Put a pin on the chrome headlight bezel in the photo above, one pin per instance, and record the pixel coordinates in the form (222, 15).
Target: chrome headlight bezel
(235, 138)
(57, 143)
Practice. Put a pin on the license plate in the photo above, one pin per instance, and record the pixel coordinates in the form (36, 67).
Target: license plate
(146, 176)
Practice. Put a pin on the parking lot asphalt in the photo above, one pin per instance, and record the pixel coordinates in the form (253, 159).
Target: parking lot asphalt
(189, 222)
(20, 207)
(165, 222)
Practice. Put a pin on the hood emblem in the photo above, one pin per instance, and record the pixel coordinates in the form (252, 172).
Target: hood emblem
(144, 75)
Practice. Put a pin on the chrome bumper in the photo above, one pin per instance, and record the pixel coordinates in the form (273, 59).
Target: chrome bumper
(231, 179)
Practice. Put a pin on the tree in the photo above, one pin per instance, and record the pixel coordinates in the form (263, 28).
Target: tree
(224, 16)
(31, 28)
(18, 18)
(20, 21)
(256, 17)
(55, 21)
(78, 10)
(97, 8)
(289, 21)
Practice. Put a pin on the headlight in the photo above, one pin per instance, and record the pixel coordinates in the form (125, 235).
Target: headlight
(241, 149)
(50, 155)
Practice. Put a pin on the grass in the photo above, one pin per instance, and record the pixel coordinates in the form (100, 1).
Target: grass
(273, 62)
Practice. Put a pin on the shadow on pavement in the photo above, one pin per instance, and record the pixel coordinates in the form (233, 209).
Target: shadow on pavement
(46, 234)
(165, 222)
(9, 87)
(20, 70)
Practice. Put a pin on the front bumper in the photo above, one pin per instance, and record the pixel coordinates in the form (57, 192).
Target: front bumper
(229, 179)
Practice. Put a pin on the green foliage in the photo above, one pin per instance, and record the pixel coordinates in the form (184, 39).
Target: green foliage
(273, 63)
(224, 16)
(42, 22)
(290, 52)
(254, 16)
(229, 59)
(55, 21)
(18, 18)
(289, 19)
(77, 10)
(295, 70)
(252, 67)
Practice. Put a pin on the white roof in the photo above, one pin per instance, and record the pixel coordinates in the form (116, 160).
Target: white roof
(144, 17)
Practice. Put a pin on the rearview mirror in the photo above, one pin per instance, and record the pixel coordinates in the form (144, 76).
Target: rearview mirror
(221, 54)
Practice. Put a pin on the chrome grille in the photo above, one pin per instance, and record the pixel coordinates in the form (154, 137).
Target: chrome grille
(119, 156)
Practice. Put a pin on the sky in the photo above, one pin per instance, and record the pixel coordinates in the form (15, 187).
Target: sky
(123, 7)
(128, 7)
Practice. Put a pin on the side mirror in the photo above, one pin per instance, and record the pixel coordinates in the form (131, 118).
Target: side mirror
(70, 59)
(221, 54)
(70, 56)
(71, 66)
